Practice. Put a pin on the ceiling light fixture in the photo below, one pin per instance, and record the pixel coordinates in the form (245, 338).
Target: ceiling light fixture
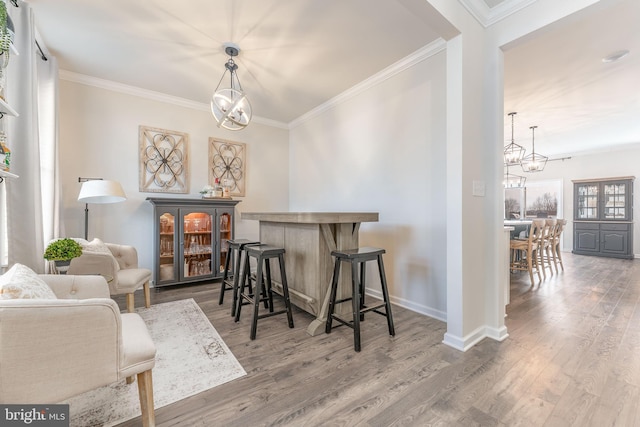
(513, 153)
(230, 106)
(534, 162)
(511, 180)
(615, 56)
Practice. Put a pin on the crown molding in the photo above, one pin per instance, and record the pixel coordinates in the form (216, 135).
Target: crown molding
(613, 148)
(420, 55)
(152, 95)
(487, 16)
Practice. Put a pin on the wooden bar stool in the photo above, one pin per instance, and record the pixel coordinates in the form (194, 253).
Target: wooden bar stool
(231, 277)
(262, 254)
(358, 257)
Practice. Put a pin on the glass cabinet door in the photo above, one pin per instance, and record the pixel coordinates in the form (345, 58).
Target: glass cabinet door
(197, 244)
(587, 201)
(167, 271)
(615, 201)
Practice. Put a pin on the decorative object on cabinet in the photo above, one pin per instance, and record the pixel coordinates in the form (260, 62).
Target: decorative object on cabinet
(534, 162)
(98, 190)
(227, 163)
(603, 217)
(190, 239)
(164, 165)
(207, 191)
(229, 105)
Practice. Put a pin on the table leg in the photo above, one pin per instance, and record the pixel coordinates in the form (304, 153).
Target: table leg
(346, 238)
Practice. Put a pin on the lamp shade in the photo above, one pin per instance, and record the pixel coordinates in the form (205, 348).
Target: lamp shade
(101, 191)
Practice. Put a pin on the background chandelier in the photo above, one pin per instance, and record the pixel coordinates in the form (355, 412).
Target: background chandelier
(230, 106)
(534, 162)
(512, 180)
(513, 153)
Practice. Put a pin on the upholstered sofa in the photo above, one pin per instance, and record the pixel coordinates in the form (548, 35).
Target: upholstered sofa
(56, 346)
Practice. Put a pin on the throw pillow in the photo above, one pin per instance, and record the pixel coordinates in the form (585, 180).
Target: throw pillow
(22, 282)
(97, 246)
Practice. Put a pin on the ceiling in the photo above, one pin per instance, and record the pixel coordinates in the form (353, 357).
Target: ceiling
(298, 54)
(295, 54)
(555, 79)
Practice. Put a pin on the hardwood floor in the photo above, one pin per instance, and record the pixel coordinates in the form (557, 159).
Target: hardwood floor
(572, 358)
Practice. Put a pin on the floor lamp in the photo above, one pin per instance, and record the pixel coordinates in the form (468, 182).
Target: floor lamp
(98, 190)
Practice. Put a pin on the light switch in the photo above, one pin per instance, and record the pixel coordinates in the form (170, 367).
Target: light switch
(478, 188)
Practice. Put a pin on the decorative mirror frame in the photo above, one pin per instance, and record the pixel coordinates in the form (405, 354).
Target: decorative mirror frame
(227, 162)
(164, 162)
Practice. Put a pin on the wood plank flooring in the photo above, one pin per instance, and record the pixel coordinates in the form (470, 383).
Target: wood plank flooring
(572, 358)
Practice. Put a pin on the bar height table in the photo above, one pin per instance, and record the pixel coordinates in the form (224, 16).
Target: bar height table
(308, 239)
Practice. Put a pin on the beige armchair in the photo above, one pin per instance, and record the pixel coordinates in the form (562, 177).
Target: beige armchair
(119, 265)
(53, 349)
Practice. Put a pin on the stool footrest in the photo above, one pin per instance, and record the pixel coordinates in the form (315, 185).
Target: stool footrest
(252, 299)
(364, 308)
(375, 308)
(340, 301)
(340, 320)
(262, 316)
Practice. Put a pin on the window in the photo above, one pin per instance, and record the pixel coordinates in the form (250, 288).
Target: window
(538, 199)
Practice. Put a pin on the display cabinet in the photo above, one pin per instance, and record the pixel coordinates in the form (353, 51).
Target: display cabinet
(603, 217)
(190, 238)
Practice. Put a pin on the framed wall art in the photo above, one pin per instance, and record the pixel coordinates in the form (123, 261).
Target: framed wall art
(227, 162)
(164, 166)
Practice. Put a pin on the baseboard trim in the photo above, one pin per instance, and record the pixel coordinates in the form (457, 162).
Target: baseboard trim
(498, 334)
(465, 343)
(410, 305)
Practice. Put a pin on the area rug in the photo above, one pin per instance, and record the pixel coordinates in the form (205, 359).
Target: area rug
(191, 358)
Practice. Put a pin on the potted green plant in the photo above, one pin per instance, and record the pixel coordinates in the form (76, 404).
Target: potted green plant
(62, 251)
(6, 29)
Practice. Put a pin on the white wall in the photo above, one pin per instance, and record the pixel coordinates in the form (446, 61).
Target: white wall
(605, 164)
(384, 151)
(336, 163)
(99, 138)
(408, 148)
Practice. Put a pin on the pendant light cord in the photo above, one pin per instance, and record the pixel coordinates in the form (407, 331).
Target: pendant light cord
(533, 140)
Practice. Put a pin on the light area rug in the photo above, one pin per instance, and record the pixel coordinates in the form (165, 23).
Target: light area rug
(190, 358)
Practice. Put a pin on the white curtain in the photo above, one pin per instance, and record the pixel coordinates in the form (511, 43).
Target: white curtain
(32, 200)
